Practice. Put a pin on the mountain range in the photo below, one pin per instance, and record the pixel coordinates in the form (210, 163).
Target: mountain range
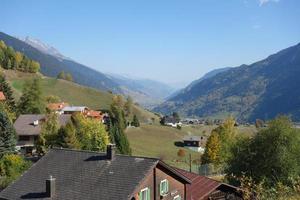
(262, 90)
(53, 62)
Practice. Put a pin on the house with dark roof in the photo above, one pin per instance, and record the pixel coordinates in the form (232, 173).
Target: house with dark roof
(76, 175)
(171, 121)
(28, 128)
(195, 143)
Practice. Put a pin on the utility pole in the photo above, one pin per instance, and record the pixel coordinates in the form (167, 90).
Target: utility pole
(190, 162)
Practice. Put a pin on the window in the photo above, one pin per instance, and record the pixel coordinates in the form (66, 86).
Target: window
(164, 187)
(144, 194)
(178, 197)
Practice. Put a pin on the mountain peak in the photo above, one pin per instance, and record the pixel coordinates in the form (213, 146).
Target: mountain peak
(43, 47)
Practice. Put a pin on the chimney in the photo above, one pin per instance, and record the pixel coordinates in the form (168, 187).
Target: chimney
(36, 122)
(110, 151)
(50, 187)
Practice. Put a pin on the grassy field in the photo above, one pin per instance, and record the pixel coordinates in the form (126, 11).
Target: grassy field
(159, 141)
(70, 92)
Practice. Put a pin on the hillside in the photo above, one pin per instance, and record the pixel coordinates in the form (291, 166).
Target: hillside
(261, 90)
(146, 92)
(70, 92)
(52, 65)
(205, 76)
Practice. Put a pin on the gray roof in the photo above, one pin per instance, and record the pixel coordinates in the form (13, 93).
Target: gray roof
(74, 108)
(24, 123)
(81, 175)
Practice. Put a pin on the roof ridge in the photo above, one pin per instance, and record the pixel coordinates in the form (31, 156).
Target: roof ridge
(90, 151)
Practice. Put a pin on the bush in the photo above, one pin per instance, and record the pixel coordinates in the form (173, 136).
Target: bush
(11, 167)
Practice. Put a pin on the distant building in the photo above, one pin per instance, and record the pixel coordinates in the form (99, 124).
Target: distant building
(75, 109)
(28, 128)
(57, 107)
(172, 121)
(2, 96)
(75, 174)
(97, 115)
(195, 143)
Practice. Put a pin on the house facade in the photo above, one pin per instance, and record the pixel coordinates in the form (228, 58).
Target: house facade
(162, 182)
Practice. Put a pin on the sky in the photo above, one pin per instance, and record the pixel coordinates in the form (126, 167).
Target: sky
(173, 41)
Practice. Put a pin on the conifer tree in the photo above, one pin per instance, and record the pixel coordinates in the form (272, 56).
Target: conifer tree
(135, 121)
(117, 127)
(67, 136)
(7, 91)
(7, 135)
(31, 101)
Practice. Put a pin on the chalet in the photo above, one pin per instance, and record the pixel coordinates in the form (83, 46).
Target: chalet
(74, 109)
(28, 128)
(2, 96)
(57, 107)
(73, 174)
(195, 143)
(172, 121)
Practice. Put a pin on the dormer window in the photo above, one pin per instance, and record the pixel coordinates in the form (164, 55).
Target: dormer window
(164, 187)
(144, 194)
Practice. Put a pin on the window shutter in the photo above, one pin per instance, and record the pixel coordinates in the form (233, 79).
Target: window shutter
(140, 195)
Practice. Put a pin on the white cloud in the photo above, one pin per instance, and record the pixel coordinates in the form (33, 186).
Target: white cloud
(262, 2)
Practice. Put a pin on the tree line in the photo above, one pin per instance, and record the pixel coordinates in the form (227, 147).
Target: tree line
(11, 59)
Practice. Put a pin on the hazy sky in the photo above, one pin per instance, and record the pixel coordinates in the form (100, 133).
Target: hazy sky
(167, 40)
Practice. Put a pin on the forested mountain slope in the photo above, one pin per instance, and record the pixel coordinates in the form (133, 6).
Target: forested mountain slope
(261, 90)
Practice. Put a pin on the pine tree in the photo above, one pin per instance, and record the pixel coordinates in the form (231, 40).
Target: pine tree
(118, 124)
(7, 135)
(67, 136)
(31, 101)
(5, 88)
(135, 121)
